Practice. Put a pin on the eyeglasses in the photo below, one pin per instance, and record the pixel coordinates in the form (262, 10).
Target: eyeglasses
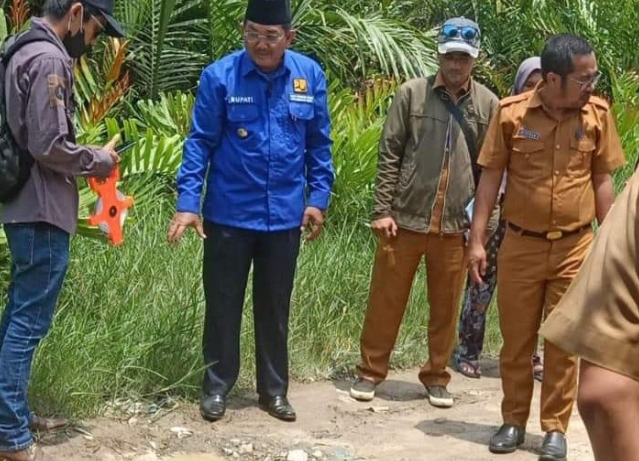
(271, 39)
(100, 25)
(469, 34)
(586, 83)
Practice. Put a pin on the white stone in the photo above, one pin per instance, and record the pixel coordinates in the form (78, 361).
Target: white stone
(246, 448)
(297, 455)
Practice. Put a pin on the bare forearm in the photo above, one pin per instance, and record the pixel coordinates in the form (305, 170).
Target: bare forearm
(485, 199)
(604, 195)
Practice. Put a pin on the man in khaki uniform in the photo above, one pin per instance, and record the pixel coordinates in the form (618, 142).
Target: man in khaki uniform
(598, 320)
(424, 183)
(560, 146)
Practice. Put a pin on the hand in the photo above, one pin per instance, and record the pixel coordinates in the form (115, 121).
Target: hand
(110, 148)
(314, 218)
(180, 222)
(385, 227)
(476, 261)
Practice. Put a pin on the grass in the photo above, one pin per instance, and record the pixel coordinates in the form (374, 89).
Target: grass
(129, 319)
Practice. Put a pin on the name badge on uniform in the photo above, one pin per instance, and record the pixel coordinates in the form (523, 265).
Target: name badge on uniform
(241, 100)
(302, 98)
(300, 85)
(528, 134)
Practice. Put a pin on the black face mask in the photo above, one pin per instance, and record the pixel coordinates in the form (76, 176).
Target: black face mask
(75, 44)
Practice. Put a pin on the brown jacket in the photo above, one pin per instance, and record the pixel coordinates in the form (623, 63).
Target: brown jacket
(417, 132)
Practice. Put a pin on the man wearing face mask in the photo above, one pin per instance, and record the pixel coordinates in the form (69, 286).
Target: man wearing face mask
(40, 219)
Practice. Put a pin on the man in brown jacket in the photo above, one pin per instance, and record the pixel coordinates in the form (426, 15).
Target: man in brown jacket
(559, 144)
(424, 184)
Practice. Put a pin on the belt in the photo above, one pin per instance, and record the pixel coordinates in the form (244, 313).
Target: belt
(552, 235)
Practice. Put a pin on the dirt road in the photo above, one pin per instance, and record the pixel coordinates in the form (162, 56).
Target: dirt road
(399, 425)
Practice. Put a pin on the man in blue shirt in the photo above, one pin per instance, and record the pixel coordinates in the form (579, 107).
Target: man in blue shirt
(260, 142)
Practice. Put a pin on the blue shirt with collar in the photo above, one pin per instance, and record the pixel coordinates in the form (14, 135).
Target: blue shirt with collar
(261, 143)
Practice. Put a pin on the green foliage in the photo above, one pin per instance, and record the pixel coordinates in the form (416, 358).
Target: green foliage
(170, 114)
(167, 38)
(357, 120)
(626, 110)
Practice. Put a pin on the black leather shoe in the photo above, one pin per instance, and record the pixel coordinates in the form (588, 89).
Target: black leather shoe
(213, 407)
(278, 407)
(506, 439)
(554, 447)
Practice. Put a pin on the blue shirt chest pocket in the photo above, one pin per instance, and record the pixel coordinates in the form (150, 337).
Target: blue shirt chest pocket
(301, 114)
(242, 126)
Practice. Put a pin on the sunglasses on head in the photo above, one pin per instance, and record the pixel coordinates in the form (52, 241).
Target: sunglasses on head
(469, 34)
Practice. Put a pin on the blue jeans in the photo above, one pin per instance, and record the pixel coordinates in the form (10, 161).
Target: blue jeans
(39, 261)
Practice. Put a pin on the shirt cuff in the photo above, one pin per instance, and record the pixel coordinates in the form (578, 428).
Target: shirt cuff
(188, 204)
(319, 200)
(102, 163)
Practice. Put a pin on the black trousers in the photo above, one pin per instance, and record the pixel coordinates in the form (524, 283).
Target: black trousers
(228, 254)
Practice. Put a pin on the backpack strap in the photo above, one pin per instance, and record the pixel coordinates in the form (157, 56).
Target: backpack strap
(9, 48)
(471, 143)
(15, 42)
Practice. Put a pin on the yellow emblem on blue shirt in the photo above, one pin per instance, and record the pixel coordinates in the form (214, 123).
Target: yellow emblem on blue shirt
(300, 85)
(242, 133)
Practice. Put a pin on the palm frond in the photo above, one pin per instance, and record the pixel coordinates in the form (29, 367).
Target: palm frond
(352, 46)
(167, 40)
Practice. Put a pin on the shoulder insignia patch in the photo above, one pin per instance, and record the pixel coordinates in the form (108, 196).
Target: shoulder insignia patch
(57, 85)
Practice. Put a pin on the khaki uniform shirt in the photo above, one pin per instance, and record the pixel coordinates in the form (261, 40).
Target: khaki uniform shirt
(550, 162)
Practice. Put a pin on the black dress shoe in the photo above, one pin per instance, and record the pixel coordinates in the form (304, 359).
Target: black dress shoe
(554, 447)
(278, 407)
(213, 407)
(506, 439)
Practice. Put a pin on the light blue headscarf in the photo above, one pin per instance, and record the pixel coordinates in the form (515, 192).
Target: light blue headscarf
(526, 68)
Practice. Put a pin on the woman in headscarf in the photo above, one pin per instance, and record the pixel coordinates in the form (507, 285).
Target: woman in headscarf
(477, 298)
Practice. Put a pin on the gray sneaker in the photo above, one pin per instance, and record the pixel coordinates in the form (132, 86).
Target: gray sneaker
(363, 389)
(438, 396)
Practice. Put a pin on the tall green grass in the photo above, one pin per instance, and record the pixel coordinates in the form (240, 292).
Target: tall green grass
(129, 320)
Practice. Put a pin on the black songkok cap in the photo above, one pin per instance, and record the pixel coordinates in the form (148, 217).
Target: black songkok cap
(269, 12)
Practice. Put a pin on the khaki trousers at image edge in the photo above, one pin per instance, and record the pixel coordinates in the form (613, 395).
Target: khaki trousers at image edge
(533, 276)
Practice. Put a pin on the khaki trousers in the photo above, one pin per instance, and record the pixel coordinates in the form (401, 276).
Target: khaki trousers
(396, 262)
(533, 276)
